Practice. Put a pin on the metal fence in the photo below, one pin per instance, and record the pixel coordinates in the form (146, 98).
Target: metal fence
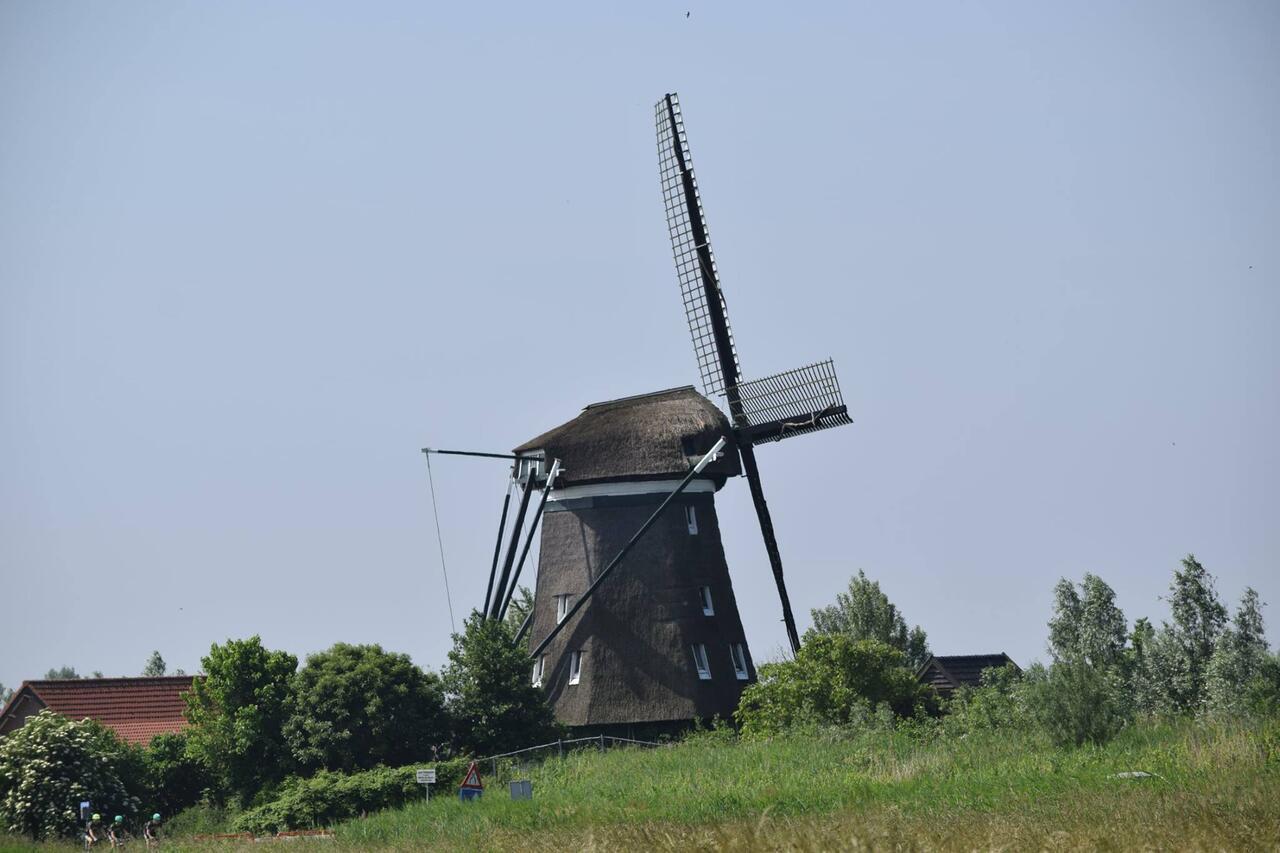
(512, 765)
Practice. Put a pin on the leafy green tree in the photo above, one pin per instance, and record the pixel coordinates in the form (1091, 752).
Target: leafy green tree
(1086, 626)
(355, 707)
(1238, 658)
(52, 763)
(833, 680)
(155, 666)
(1180, 656)
(521, 605)
(1144, 690)
(237, 714)
(174, 778)
(864, 612)
(493, 705)
(62, 672)
(5, 694)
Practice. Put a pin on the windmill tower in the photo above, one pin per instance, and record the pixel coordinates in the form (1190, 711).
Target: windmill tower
(659, 640)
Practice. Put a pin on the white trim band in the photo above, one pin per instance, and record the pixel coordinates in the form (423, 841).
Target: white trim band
(634, 487)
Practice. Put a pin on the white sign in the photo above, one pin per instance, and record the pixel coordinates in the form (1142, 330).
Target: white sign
(427, 776)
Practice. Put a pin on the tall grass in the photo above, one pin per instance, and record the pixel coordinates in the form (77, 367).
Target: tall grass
(1215, 786)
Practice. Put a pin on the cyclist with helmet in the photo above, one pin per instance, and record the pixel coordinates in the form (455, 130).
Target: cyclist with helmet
(151, 831)
(117, 833)
(91, 830)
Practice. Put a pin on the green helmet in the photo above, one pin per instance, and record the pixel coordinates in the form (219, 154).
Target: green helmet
(156, 816)
(97, 816)
(119, 818)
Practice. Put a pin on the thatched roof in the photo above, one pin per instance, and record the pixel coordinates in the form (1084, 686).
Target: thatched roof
(650, 436)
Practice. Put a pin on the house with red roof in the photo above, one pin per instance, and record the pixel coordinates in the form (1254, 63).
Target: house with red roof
(136, 709)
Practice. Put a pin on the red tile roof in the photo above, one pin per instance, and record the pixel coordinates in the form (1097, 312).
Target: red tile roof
(137, 709)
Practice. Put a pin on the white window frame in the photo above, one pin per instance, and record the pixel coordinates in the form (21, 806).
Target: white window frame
(738, 654)
(575, 667)
(700, 661)
(704, 599)
(691, 518)
(539, 668)
(563, 602)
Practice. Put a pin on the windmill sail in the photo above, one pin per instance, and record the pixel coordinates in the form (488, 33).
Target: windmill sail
(704, 305)
(792, 403)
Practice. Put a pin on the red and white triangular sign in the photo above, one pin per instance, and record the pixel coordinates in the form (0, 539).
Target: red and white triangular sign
(472, 779)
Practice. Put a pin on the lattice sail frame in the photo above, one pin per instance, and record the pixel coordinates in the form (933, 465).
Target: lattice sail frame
(793, 403)
(674, 161)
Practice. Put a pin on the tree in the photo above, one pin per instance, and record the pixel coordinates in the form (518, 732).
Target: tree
(494, 706)
(863, 612)
(833, 680)
(520, 606)
(1263, 693)
(155, 666)
(1086, 626)
(52, 763)
(62, 672)
(174, 779)
(1181, 654)
(1237, 659)
(1144, 690)
(237, 714)
(355, 707)
(1064, 624)
(5, 694)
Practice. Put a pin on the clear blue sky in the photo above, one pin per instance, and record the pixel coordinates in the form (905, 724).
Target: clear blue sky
(254, 256)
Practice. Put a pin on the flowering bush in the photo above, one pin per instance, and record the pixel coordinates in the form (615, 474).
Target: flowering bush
(49, 766)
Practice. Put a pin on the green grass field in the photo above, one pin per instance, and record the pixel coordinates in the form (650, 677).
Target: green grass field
(1216, 787)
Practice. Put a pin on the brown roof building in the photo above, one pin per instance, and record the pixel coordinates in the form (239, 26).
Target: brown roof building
(948, 673)
(136, 709)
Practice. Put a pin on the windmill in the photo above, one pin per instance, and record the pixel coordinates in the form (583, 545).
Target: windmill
(659, 640)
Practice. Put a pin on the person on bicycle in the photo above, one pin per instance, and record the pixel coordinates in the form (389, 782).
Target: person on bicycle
(91, 830)
(117, 833)
(151, 831)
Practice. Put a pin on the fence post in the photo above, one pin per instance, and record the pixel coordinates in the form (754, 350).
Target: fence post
(495, 770)
(602, 741)
(560, 745)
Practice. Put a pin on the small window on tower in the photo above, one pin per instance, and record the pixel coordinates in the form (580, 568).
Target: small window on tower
(563, 603)
(575, 667)
(691, 519)
(700, 661)
(739, 655)
(538, 667)
(704, 593)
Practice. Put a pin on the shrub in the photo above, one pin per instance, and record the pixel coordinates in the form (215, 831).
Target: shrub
(998, 703)
(327, 797)
(1075, 703)
(834, 680)
(49, 765)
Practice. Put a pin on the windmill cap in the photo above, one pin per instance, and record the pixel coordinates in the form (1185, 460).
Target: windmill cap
(649, 436)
